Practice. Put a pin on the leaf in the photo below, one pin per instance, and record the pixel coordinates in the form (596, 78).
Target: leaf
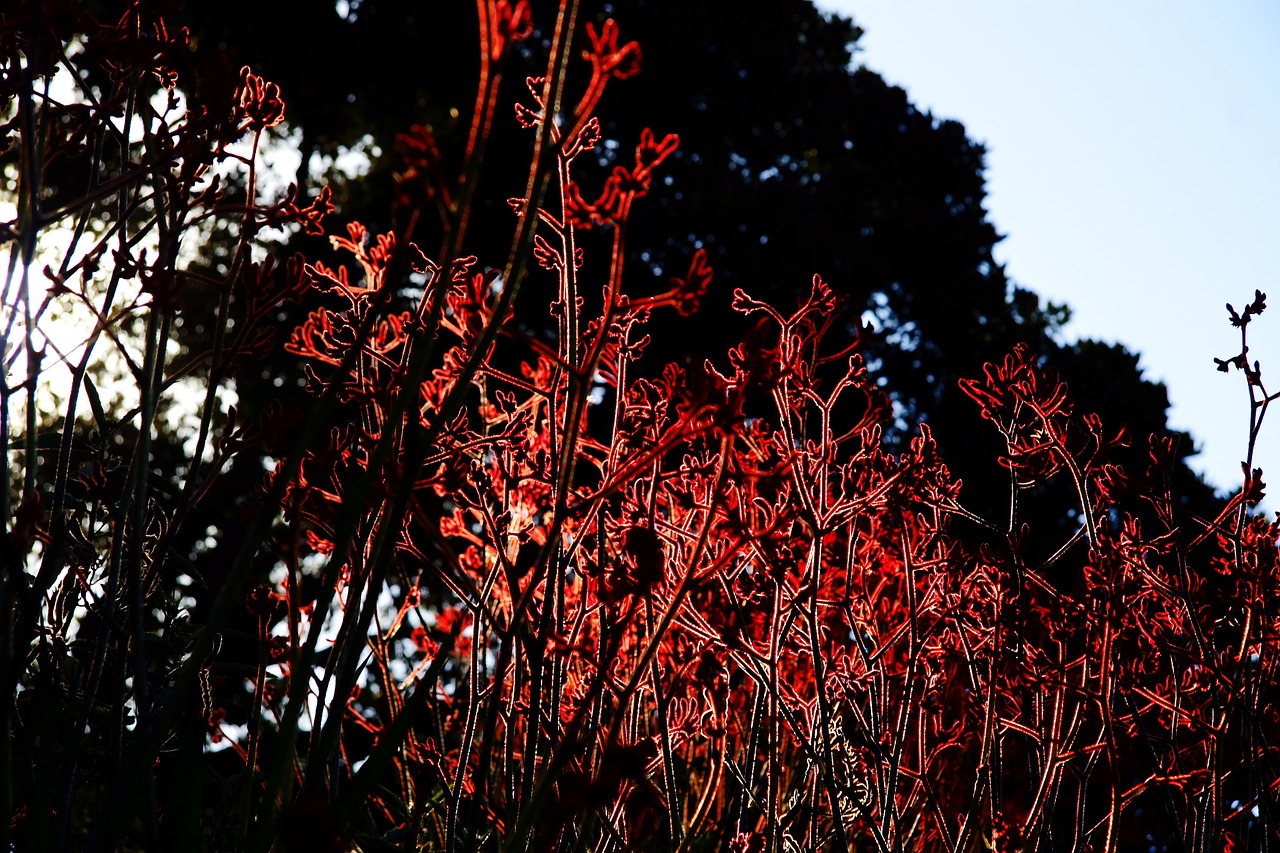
(95, 403)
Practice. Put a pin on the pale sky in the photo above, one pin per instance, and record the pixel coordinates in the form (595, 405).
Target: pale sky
(1133, 153)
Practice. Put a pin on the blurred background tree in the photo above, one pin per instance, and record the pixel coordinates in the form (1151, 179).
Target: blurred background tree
(793, 161)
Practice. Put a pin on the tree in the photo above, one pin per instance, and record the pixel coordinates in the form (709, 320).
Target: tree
(792, 162)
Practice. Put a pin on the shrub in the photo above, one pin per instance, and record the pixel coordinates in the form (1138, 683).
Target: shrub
(501, 590)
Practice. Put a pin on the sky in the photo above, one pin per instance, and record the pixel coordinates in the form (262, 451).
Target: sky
(1133, 163)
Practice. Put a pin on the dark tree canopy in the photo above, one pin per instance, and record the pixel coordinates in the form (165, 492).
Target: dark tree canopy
(793, 161)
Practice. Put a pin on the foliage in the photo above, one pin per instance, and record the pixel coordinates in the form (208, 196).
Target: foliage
(792, 161)
(502, 590)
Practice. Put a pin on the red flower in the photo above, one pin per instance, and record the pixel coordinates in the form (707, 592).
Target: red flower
(258, 104)
(605, 55)
(508, 24)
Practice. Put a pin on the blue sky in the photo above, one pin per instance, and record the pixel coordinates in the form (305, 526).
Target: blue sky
(1134, 167)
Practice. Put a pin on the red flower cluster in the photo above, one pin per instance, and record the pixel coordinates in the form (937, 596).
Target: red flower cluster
(762, 626)
(523, 597)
